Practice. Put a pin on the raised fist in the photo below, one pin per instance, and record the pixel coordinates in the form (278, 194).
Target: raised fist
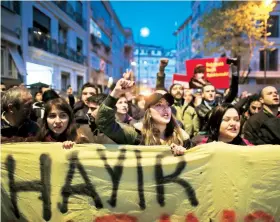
(163, 62)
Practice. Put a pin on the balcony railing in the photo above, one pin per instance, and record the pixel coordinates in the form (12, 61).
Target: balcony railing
(43, 41)
(69, 10)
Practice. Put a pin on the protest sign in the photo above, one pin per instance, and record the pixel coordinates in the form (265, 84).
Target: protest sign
(216, 71)
(212, 182)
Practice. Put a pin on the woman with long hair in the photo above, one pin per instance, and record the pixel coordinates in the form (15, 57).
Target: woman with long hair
(223, 126)
(58, 124)
(158, 127)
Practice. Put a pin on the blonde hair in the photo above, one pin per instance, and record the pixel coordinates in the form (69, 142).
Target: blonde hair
(151, 135)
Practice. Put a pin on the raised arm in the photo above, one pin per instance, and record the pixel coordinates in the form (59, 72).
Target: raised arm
(161, 75)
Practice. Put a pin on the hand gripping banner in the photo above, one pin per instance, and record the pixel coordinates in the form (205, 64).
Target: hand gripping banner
(105, 183)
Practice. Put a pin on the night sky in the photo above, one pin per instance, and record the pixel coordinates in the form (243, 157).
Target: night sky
(159, 16)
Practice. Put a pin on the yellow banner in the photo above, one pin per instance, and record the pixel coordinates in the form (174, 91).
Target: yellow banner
(97, 183)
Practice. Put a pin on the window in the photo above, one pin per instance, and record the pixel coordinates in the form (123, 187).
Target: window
(41, 21)
(12, 5)
(80, 82)
(271, 60)
(79, 45)
(79, 7)
(8, 66)
(274, 29)
(65, 80)
(62, 38)
(2, 61)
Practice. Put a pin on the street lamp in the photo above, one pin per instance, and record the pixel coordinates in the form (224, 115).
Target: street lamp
(144, 32)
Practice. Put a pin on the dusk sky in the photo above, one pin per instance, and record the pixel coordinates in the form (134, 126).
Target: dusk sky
(159, 16)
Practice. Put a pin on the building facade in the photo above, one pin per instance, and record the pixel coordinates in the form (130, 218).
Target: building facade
(183, 51)
(12, 64)
(146, 65)
(61, 43)
(196, 36)
(272, 75)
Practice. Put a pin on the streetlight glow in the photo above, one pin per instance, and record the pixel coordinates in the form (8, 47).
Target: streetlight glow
(267, 2)
(144, 32)
(133, 63)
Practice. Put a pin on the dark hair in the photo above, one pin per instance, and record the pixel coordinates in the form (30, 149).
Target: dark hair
(89, 85)
(69, 86)
(71, 131)
(174, 84)
(251, 99)
(97, 98)
(199, 69)
(216, 119)
(49, 95)
(44, 86)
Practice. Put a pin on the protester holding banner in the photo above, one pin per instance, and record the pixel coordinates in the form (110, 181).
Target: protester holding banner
(16, 125)
(264, 127)
(159, 127)
(224, 126)
(58, 124)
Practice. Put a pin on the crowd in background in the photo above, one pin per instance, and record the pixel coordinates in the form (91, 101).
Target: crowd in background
(179, 117)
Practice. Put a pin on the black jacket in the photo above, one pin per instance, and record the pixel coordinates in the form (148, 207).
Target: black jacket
(80, 113)
(263, 128)
(204, 111)
(27, 129)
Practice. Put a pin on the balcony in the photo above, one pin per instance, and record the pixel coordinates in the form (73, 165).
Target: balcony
(68, 9)
(44, 41)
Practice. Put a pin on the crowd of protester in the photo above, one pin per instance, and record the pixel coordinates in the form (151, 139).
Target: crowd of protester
(178, 117)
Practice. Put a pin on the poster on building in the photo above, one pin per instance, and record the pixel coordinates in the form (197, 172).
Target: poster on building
(216, 71)
(110, 183)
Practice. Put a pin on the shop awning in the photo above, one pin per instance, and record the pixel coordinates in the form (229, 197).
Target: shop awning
(18, 60)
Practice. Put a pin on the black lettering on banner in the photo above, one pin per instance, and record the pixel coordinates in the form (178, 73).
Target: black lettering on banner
(43, 185)
(172, 178)
(86, 189)
(115, 173)
(142, 203)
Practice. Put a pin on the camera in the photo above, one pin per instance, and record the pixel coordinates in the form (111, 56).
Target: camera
(233, 61)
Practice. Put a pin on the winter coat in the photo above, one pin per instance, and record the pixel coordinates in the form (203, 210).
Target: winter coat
(80, 113)
(18, 133)
(263, 128)
(188, 116)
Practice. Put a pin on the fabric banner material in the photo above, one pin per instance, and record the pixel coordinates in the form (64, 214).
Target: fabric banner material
(98, 183)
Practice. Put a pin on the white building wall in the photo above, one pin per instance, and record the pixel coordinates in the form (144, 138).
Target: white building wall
(41, 57)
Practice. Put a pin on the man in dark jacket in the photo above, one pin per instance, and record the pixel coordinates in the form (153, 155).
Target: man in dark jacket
(16, 125)
(209, 98)
(80, 108)
(90, 129)
(263, 127)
